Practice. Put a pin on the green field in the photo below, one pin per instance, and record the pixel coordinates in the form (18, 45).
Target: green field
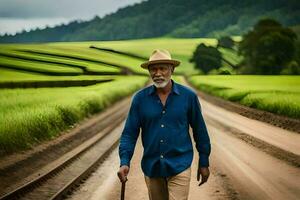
(10, 75)
(181, 49)
(80, 53)
(39, 59)
(277, 94)
(30, 116)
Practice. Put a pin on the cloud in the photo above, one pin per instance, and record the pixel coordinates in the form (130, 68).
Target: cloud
(18, 15)
(73, 9)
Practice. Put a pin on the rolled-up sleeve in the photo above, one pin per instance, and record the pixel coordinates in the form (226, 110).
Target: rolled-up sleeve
(200, 132)
(130, 133)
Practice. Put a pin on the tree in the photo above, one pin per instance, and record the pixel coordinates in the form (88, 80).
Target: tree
(206, 58)
(225, 42)
(268, 48)
(293, 67)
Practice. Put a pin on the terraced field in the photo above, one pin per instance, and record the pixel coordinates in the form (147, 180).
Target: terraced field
(90, 57)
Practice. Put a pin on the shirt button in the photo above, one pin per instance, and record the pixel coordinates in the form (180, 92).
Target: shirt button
(161, 156)
(163, 112)
(162, 125)
(161, 141)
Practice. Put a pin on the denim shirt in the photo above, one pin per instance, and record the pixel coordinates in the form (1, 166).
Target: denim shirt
(165, 134)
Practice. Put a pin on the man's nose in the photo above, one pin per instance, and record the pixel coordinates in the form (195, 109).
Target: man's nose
(158, 72)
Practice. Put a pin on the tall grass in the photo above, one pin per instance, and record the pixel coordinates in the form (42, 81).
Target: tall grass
(29, 116)
(277, 94)
(11, 75)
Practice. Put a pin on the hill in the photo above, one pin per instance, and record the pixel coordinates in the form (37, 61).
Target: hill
(171, 18)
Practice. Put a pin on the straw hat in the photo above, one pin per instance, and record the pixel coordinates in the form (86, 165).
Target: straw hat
(160, 56)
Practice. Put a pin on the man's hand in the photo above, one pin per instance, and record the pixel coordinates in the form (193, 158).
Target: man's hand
(123, 172)
(204, 171)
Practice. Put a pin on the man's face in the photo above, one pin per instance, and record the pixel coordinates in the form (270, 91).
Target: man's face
(161, 74)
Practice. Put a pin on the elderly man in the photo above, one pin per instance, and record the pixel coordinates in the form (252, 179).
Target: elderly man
(163, 112)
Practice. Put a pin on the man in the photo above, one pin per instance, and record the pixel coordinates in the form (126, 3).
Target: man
(163, 112)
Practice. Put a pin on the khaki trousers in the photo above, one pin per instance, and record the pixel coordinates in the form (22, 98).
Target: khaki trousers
(169, 188)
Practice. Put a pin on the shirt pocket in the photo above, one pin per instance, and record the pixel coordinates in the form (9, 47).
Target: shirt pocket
(177, 119)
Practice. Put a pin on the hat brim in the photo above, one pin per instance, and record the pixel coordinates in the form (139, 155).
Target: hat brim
(145, 65)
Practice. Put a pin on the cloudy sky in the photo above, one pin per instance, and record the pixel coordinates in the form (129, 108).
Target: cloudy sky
(16, 15)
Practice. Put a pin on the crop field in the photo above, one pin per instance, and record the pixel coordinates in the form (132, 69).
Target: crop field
(46, 88)
(181, 49)
(277, 94)
(31, 115)
(75, 57)
(10, 75)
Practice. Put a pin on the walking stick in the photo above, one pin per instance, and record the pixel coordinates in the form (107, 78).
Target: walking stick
(123, 191)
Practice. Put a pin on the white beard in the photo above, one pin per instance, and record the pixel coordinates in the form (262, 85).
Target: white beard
(161, 85)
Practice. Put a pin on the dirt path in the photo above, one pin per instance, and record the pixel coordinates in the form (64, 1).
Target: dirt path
(281, 138)
(238, 170)
(216, 188)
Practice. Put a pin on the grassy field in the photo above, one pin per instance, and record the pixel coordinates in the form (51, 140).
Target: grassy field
(55, 61)
(38, 67)
(10, 75)
(230, 55)
(66, 58)
(30, 115)
(80, 53)
(181, 49)
(277, 94)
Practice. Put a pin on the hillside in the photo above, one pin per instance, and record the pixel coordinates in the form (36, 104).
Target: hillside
(171, 18)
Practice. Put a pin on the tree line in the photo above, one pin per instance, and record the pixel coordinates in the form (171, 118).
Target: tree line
(173, 18)
(268, 48)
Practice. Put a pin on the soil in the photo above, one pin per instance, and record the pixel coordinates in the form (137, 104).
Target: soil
(284, 122)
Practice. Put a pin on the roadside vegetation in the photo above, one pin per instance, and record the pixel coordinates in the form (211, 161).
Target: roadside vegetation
(29, 116)
(276, 94)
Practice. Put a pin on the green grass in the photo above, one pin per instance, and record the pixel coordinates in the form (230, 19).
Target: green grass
(11, 75)
(181, 49)
(29, 116)
(84, 53)
(277, 94)
(35, 58)
(92, 59)
(230, 55)
(178, 79)
(38, 67)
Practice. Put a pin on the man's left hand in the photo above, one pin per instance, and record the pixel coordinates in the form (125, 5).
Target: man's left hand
(204, 172)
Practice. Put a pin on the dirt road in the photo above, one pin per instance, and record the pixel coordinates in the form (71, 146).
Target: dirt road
(239, 170)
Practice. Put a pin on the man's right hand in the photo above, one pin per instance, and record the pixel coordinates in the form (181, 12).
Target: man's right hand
(123, 172)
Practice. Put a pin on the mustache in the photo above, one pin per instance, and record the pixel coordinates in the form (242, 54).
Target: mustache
(158, 78)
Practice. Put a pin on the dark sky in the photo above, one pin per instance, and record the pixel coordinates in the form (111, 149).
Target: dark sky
(16, 15)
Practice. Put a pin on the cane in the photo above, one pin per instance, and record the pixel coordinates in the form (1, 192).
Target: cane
(123, 191)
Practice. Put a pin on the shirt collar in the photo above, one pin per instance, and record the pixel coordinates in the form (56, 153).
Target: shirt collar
(175, 89)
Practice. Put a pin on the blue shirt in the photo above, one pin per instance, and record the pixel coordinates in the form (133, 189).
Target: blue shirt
(165, 134)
